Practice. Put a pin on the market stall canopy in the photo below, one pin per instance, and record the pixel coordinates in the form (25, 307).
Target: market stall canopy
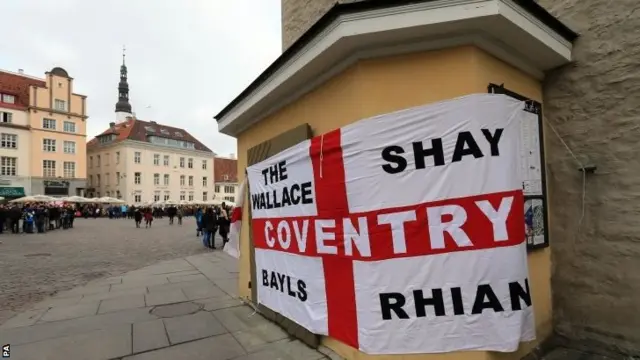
(34, 198)
(76, 199)
(110, 200)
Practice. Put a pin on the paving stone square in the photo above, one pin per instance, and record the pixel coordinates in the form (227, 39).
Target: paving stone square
(149, 335)
(71, 311)
(121, 303)
(191, 327)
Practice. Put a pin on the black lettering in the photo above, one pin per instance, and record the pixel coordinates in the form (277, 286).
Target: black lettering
(435, 300)
(276, 204)
(273, 173)
(456, 297)
(265, 277)
(289, 291)
(295, 196)
(466, 145)
(517, 293)
(486, 299)
(281, 278)
(302, 291)
(305, 188)
(282, 167)
(269, 204)
(263, 202)
(286, 197)
(255, 201)
(386, 305)
(420, 153)
(264, 174)
(274, 281)
(493, 140)
(389, 154)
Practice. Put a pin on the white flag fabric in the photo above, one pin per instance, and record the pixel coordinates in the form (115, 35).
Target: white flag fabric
(233, 246)
(402, 233)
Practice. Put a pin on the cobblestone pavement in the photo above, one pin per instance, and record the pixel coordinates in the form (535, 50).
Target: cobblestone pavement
(33, 266)
(185, 308)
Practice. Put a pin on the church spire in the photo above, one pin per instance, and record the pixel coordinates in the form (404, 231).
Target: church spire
(123, 106)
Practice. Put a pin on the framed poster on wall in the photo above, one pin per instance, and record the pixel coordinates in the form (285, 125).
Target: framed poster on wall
(533, 170)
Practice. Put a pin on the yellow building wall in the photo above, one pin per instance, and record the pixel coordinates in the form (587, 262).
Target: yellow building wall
(383, 85)
(43, 99)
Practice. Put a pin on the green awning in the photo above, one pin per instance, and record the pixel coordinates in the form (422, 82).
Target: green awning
(11, 192)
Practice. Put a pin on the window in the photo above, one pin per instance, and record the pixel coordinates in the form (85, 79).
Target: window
(150, 129)
(69, 147)
(9, 99)
(181, 180)
(204, 181)
(98, 180)
(204, 196)
(117, 178)
(164, 131)
(191, 196)
(178, 134)
(69, 169)
(156, 159)
(190, 164)
(166, 179)
(90, 180)
(229, 190)
(182, 196)
(9, 141)
(49, 145)
(60, 105)
(69, 127)
(119, 195)
(49, 124)
(137, 157)
(107, 179)
(190, 180)
(166, 160)
(5, 117)
(156, 179)
(181, 162)
(108, 193)
(167, 195)
(99, 160)
(90, 162)
(137, 178)
(48, 168)
(217, 188)
(230, 198)
(8, 166)
(156, 196)
(117, 157)
(204, 164)
(137, 198)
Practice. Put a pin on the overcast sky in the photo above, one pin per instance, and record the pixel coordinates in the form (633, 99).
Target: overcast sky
(186, 58)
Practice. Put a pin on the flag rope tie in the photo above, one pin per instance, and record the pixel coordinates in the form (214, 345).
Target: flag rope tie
(321, 146)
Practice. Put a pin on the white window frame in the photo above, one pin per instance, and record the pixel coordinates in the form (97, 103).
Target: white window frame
(49, 171)
(8, 166)
(69, 169)
(182, 180)
(137, 198)
(69, 126)
(166, 180)
(156, 179)
(49, 145)
(205, 181)
(6, 117)
(204, 164)
(156, 159)
(190, 163)
(69, 147)
(204, 195)
(165, 160)
(137, 178)
(190, 180)
(182, 162)
(8, 141)
(60, 105)
(8, 99)
(137, 157)
(49, 124)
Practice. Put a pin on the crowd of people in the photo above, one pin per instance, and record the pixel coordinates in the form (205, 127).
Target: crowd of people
(35, 217)
(43, 217)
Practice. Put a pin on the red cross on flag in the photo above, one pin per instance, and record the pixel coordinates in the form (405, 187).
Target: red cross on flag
(402, 233)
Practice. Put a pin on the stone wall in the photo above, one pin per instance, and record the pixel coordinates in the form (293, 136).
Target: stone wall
(594, 104)
(299, 15)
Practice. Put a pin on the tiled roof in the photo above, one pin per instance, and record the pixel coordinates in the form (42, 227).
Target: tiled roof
(17, 85)
(139, 130)
(222, 167)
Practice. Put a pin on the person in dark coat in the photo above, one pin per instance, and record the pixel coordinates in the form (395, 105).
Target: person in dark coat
(208, 228)
(137, 216)
(171, 211)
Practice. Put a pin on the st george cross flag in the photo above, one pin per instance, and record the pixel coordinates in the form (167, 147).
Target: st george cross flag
(402, 233)
(233, 246)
